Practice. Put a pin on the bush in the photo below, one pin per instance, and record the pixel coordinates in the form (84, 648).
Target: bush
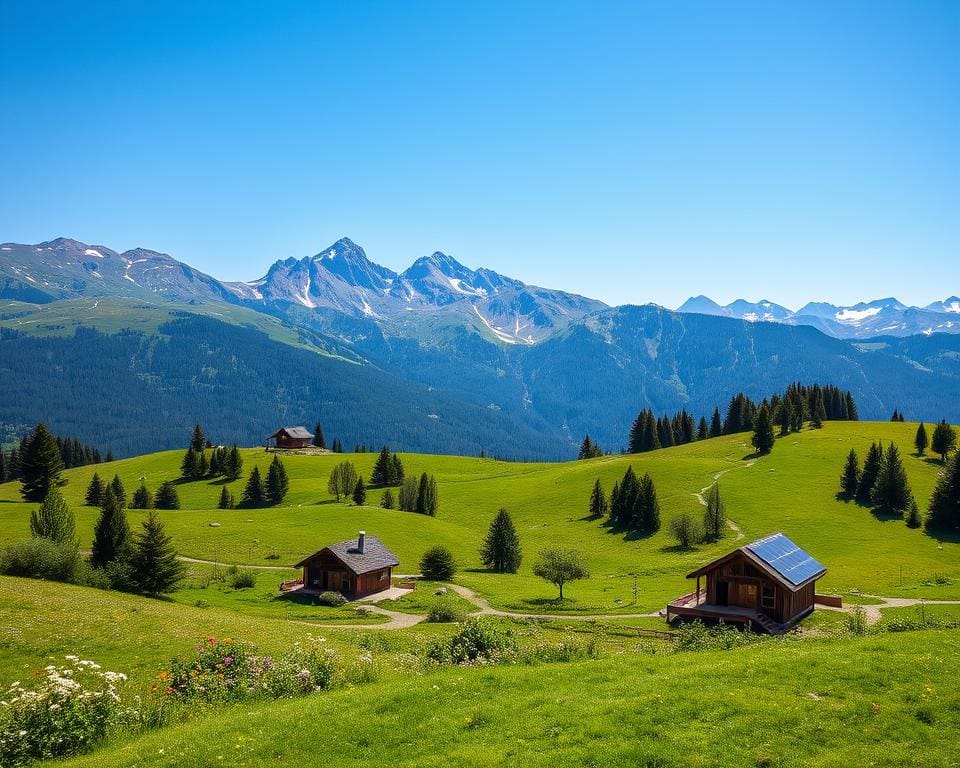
(685, 528)
(444, 611)
(333, 599)
(43, 559)
(478, 641)
(696, 636)
(219, 672)
(437, 564)
(857, 621)
(65, 714)
(243, 580)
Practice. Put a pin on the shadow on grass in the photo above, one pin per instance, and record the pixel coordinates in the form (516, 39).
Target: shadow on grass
(886, 517)
(934, 460)
(943, 535)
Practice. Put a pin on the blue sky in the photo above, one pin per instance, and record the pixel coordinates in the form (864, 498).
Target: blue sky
(632, 152)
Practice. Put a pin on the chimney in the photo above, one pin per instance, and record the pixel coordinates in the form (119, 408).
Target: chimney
(360, 539)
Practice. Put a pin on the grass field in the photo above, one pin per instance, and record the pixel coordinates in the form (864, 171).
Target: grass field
(792, 490)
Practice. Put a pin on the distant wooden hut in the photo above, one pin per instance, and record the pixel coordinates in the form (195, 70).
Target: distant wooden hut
(356, 568)
(291, 437)
(770, 584)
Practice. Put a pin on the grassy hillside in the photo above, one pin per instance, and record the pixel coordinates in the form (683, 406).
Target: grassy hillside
(880, 701)
(792, 490)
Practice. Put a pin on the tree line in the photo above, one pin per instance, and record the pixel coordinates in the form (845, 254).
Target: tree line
(21, 459)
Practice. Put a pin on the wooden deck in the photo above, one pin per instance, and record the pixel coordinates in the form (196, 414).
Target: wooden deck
(694, 606)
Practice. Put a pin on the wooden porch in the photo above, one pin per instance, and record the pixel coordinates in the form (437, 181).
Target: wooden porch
(695, 606)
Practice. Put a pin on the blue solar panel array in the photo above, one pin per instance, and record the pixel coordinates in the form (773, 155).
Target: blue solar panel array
(786, 558)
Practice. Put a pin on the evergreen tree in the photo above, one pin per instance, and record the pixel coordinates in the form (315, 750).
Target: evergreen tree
(665, 432)
(111, 534)
(914, 519)
(254, 493)
(598, 500)
(233, 467)
(437, 564)
(381, 469)
(871, 468)
(4, 476)
(396, 470)
(337, 445)
(921, 442)
(142, 498)
(422, 491)
(715, 515)
(784, 417)
(763, 438)
(945, 501)
(116, 485)
(215, 469)
(277, 482)
(616, 502)
(203, 466)
(318, 439)
(852, 414)
(943, 441)
(635, 441)
(648, 517)
(154, 562)
(432, 500)
(386, 501)
(590, 449)
(188, 467)
(407, 501)
(54, 520)
(198, 442)
(716, 426)
(896, 416)
(360, 492)
(40, 464)
(850, 479)
(501, 547)
(891, 491)
(94, 493)
(703, 431)
(624, 510)
(226, 499)
(818, 413)
(167, 496)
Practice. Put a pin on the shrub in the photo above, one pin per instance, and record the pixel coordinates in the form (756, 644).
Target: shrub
(306, 669)
(43, 559)
(243, 580)
(333, 599)
(437, 564)
(444, 611)
(219, 672)
(570, 648)
(857, 621)
(478, 641)
(686, 530)
(696, 636)
(67, 712)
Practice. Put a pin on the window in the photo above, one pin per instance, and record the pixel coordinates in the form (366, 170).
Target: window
(768, 597)
(383, 575)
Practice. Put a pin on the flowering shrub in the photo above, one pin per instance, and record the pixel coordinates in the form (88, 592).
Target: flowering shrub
(66, 713)
(306, 669)
(477, 642)
(696, 636)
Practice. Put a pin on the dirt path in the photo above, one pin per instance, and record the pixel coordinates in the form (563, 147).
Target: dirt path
(875, 612)
(485, 609)
(703, 502)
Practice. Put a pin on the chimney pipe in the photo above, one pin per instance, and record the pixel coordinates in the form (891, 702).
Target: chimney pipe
(360, 539)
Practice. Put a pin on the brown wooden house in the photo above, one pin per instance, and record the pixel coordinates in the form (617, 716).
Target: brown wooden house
(355, 568)
(769, 584)
(291, 437)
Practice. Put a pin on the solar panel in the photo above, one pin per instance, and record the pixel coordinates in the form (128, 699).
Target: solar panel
(786, 558)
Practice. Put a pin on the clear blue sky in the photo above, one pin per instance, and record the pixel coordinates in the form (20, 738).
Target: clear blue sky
(632, 152)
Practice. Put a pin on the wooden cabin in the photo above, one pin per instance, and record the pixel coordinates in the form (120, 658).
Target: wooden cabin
(769, 585)
(355, 568)
(291, 437)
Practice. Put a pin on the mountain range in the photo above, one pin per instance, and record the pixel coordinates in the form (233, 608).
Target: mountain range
(439, 357)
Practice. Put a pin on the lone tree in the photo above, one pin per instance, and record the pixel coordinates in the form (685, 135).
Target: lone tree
(437, 564)
(277, 481)
(198, 440)
(945, 501)
(715, 515)
(53, 520)
(343, 479)
(891, 491)
(914, 518)
(850, 479)
(598, 500)
(383, 468)
(871, 468)
(40, 464)
(318, 439)
(589, 449)
(360, 492)
(386, 500)
(226, 499)
(94, 493)
(167, 497)
(501, 547)
(153, 561)
(558, 566)
(685, 529)
(111, 534)
(921, 441)
(142, 498)
(647, 517)
(233, 464)
(763, 438)
(944, 440)
(254, 493)
(116, 485)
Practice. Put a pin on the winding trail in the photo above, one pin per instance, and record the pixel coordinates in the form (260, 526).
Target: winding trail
(874, 612)
(703, 502)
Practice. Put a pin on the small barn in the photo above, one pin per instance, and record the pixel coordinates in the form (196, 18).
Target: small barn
(356, 568)
(291, 437)
(769, 584)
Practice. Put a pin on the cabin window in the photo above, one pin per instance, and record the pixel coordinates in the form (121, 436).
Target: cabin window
(383, 575)
(767, 598)
(345, 583)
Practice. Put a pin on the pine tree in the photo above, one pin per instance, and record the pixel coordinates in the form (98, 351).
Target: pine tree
(852, 414)
(716, 425)
(703, 431)
(921, 442)
(215, 469)
(590, 450)
(116, 485)
(234, 464)
(188, 467)
(598, 500)
(40, 464)
(763, 438)
(111, 534)
(421, 506)
(850, 479)
(54, 520)
(616, 502)
(945, 501)
(432, 497)
(360, 492)
(153, 561)
(501, 546)
(337, 445)
(624, 512)
(318, 439)
(167, 496)
(203, 466)
(277, 482)
(818, 413)
(226, 499)
(254, 493)
(871, 468)
(715, 515)
(386, 501)
(914, 519)
(4, 477)
(94, 493)
(943, 441)
(381, 469)
(198, 442)
(396, 470)
(648, 519)
(891, 491)
(13, 464)
(635, 441)
(142, 498)
(896, 416)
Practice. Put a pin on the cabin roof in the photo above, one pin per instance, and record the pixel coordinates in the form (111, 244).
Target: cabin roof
(374, 556)
(779, 557)
(297, 432)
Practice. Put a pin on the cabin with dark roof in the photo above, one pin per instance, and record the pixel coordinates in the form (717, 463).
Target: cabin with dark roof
(769, 585)
(355, 568)
(291, 437)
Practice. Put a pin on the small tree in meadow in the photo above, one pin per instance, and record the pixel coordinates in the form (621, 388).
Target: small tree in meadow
(685, 529)
(54, 520)
(94, 493)
(154, 562)
(763, 438)
(871, 468)
(559, 566)
(386, 500)
(226, 499)
(501, 547)
(850, 479)
(111, 533)
(254, 492)
(116, 485)
(277, 482)
(142, 498)
(891, 491)
(360, 492)
(920, 442)
(715, 515)
(598, 500)
(944, 440)
(914, 518)
(945, 501)
(40, 464)
(343, 480)
(437, 564)
(167, 497)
